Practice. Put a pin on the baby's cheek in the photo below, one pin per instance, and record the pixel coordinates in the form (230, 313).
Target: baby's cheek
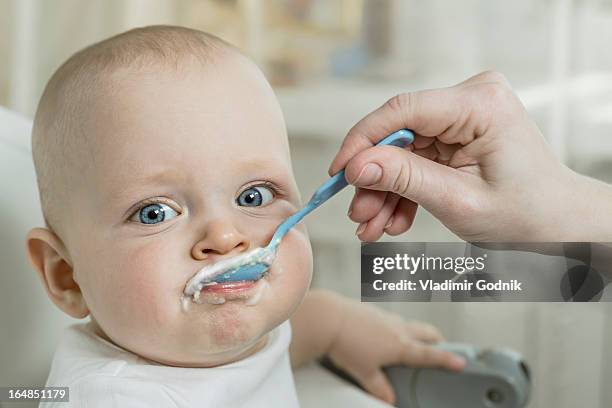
(292, 270)
(133, 295)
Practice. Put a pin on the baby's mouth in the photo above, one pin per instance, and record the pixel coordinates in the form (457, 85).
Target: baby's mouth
(219, 272)
(228, 288)
(215, 293)
(202, 287)
(219, 293)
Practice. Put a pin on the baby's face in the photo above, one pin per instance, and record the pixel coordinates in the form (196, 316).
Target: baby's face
(184, 169)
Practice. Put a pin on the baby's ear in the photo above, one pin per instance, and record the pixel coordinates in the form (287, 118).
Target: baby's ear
(48, 255)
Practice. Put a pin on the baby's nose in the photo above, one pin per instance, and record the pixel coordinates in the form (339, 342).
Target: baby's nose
(220, 238)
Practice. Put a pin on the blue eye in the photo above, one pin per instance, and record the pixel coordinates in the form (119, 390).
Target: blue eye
(255, 196)
(154, 214)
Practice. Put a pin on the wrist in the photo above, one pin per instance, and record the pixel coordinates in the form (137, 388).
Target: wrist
(326, 311)
(590, 215)
(342, 307)
(579, 210)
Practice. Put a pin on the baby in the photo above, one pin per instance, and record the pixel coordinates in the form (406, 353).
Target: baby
(158, 152)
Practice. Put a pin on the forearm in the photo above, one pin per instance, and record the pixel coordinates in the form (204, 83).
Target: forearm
(315, 325)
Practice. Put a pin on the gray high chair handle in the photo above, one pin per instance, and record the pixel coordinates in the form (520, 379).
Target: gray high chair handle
(492, 378)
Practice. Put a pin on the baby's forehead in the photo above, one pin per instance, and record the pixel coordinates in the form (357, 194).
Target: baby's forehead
(198, 122)
(227, 112)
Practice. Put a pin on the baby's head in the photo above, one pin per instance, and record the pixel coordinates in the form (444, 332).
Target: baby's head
(158, 152)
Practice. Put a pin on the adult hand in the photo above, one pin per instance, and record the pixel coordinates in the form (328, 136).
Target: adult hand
(478, 163)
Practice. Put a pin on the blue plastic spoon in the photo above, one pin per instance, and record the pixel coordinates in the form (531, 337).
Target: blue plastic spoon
(252, 265)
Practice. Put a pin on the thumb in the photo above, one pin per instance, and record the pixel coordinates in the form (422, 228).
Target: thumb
(379, 386)
(430, 184)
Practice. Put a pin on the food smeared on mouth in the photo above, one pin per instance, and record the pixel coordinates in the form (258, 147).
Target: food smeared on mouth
(209, 284)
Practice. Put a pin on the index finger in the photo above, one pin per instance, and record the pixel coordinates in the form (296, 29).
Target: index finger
(427, 113)
(421, 355)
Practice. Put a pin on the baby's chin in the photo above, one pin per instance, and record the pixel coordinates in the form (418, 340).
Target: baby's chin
(224, 322)
(213, 348)
(235, 319)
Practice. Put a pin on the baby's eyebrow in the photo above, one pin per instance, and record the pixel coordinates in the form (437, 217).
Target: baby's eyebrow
(257, 163)
(131, 183)
(163, 176)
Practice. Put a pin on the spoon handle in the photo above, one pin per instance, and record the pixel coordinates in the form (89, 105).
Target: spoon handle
(333, 185)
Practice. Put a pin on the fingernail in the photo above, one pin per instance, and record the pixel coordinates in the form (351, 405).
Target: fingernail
(389, 222)
(458, 361)
(370, 174)
(361, 228)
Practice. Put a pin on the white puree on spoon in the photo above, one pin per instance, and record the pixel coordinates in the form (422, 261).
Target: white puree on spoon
(206, 275)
